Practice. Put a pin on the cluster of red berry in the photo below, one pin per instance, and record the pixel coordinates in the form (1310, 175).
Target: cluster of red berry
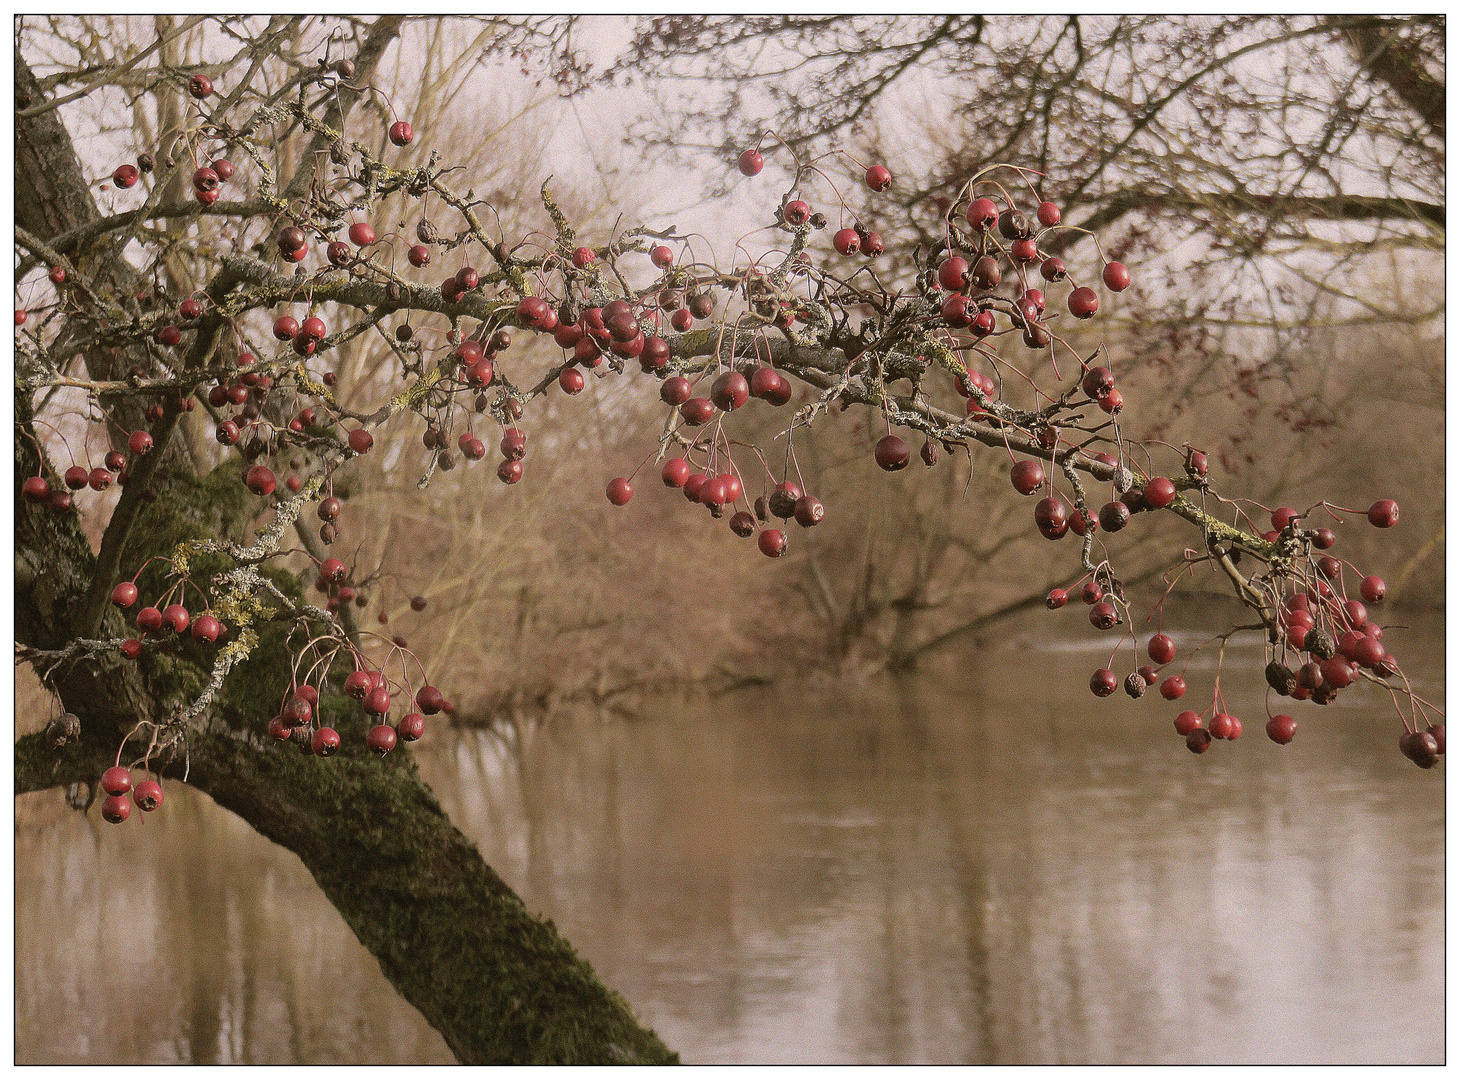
(117, 783)
(298, 720)
(38, 490)
(168, 619)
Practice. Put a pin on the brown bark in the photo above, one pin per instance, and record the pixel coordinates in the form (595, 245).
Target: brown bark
(501, 985)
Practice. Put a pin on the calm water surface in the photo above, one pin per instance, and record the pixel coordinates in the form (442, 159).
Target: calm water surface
(985, 867)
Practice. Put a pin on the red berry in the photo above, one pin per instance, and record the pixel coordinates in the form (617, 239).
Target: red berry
(200, 86)
(175, 618)
(362, 234)
(147, 795)
(1114, 516)
(1116, 276)
(1048, 214)
(1052, 518)
(36, 489)
(846, 242)
(430, 700)
(1056, 599)
(751, 162)
(571, 380)
(772, 542)
(1103, 683)
(1025, 250)
(892, 453)
(124, 595)
(1097, 383)
(955, 311)
(509, 472)
(377, 701)
(1027, 477)
(730, 391)
(58, 275)
(131, 648)
(620, 491)
(139, 443)
(359, 683)
(115, 809)
(125, 176)
(206, 629)
(796, 212)
(1281, 729)
(697, 411)
(1372, 589)
(1083, 303)
(879, 178)
(809, 511)
(286, 327)
(411, 727)
(380, 739)
(361, 440)
(1281, 516)
(982, 213)
(149, 620)
(1159, 493)
(1187, 722)
(260, 480)
(662, 257)
(1384, 514)
(1221, 726)
(1336, 672)
(325, 741)
(655, 355)
(117, 780)
(1161, 649)
(1173, 687)
(952, 273)
(401, 133)
(1356, 614)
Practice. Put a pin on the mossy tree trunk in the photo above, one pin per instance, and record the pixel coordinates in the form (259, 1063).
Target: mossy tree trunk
(455, 941)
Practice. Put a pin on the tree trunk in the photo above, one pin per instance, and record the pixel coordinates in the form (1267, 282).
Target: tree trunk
(458, 944)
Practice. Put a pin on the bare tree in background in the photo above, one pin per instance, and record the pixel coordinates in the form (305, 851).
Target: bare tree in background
(1280, 180)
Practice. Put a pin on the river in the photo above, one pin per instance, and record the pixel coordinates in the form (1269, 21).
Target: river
(982, 865)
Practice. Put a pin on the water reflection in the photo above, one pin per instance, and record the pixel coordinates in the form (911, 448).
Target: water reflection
(993, 867)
